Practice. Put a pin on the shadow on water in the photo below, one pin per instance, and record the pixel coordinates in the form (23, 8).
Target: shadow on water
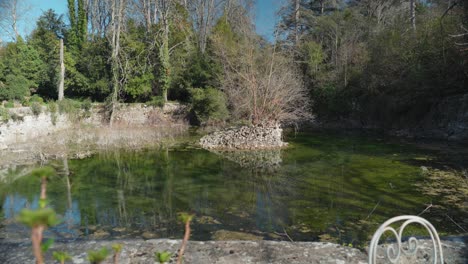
(323, 187)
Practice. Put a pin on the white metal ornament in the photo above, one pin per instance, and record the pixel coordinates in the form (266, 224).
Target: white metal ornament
(394, 252)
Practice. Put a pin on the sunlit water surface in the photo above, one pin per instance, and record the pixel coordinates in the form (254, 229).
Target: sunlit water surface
(322, 187)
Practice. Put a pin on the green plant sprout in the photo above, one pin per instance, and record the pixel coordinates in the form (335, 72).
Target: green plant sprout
(117, 249)
(162, 257)
(45, 247)
(41, 218)
(61, 256)
(98, 256)
(185, 218)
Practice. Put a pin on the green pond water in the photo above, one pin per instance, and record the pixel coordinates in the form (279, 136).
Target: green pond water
(323, 187)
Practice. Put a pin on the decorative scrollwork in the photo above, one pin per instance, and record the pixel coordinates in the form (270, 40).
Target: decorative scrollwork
(395, 251)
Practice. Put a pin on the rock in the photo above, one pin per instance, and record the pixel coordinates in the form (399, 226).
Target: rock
(233, 235)
(245, 138)
(148, 235)
(205, 219)
(99, 234)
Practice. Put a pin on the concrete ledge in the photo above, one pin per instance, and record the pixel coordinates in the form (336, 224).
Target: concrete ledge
(139, 251)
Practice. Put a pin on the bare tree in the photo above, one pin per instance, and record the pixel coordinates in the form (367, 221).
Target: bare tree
(263, 86)
(413, 14)
(117, 20)
(204, 14)
(62, 73)
(12, 12)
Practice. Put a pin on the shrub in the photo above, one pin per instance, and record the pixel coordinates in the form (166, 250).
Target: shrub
(36, 99)
(69, 106)
(36, 108)
(16, 87)
(25, 102)
(156, 101)
(52, 106)
(17, 118)
(4, 115)
(209, 105)
(9, 105)
(86, 106)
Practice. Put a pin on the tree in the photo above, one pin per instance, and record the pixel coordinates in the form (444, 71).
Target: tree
(263, 85)
(78, 22)
(45, 39)
(117, 20)
(22, 69)
(11, 13)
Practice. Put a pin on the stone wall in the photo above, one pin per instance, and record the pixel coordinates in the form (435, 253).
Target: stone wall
(27, 126)
(244, 138)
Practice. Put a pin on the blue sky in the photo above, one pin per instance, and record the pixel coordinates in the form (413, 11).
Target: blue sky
(264, 15)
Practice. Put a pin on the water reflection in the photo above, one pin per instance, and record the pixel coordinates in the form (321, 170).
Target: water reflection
(314, 191)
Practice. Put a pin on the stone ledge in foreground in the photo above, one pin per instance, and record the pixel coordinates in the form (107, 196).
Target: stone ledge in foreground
(227, 252)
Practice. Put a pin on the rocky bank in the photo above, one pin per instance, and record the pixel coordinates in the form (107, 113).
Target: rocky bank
(245, 138)
(30, 138)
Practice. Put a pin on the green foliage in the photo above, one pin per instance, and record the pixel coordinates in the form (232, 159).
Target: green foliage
(46, 245)
(44, 39)
(61, 256)
(25, 102)
(69, 106)
(117, 248)
(53, 109)
(209, 105)
(36, 99)
(36, 108)
(45, 171)
(16, 87)
(22, 69)
(4, 115)
(162, 257)
(91, 70)
(156, 101)
(42, 216)
(314, 55)
(9, 104)
(98, 256)
(185, 217)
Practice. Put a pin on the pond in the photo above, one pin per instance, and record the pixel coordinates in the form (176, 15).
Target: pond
(323, 187)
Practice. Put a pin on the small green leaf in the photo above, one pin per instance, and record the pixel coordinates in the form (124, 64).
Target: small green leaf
(43, 203)
(43, 172)
(185, 217)
(117, 247)
(46, 245)
(98, 256)
(43, 216)
(162, 257)
(61, 256)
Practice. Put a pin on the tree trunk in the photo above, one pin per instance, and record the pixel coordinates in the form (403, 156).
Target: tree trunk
(413, 14)
(297, 17)
(62, 73)
(117, 18)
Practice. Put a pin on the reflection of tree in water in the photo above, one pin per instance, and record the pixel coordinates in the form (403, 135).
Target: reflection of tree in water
(259, 160)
